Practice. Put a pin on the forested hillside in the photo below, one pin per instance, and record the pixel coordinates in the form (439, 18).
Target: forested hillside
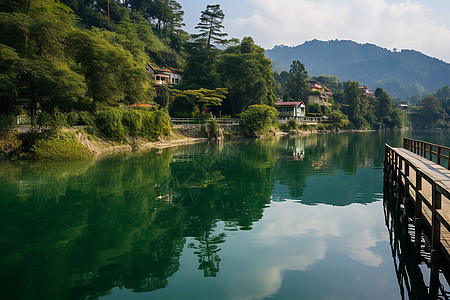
(401, 73)
(79, 55)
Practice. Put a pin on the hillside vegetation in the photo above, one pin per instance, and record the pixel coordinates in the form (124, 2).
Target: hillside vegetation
(401, 73)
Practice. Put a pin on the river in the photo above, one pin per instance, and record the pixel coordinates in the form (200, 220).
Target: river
(276, 218)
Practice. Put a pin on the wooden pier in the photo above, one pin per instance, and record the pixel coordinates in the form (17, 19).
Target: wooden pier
(417, 178)
(420, 172)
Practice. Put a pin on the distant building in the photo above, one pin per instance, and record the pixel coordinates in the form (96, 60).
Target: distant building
(290, 110)
(404, 107)
(170, 76)
(319, 94)
(367, 92)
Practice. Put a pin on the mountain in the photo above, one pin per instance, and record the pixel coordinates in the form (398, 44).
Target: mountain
(401, 73)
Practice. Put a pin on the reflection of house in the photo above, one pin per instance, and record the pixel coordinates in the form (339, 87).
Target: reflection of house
(318, 93)
(169, 76)
(289, 110)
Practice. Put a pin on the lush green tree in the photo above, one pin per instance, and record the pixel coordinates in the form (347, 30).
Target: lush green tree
(281, 80)
(429, 114)
(383, 105)
(202, 98)
(313, 108)
(210, 26)
(330, 81)
(163, 96)
(297, 86)
(398, 118)
(385, 112)
(443, 93)
(338, 119)
(8, 80)
(259, 119)
(111, 72)
(182, 107)
(246, 74)
(200, 70)
(352, 98)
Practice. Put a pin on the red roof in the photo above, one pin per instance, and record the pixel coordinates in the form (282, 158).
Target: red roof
(289, 103)
(140, 105)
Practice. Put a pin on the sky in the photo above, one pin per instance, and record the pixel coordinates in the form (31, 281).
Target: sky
(422, 25)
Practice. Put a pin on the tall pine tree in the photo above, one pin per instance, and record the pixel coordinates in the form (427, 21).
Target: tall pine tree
(210, 26)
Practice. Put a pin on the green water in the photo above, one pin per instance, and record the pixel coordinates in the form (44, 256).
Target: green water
(278, 218)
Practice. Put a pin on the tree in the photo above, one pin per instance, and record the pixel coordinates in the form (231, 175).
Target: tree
(112, 73)
(443, 93)
(210, 26)
(338, 119)
(297, 85)
(259, 119)
(182, 107)
(383, 104)
(247, 75)
(200, 70)
(430, 114)
(162, 97)
(358, 104)
(330, 81)
(202, 98)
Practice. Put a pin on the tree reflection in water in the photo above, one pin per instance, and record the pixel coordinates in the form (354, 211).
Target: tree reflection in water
(79, 231)
(207, 248)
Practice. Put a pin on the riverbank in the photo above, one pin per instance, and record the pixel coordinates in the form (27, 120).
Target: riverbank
(100, 147)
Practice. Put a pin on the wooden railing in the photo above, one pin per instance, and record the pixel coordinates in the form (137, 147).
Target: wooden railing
(437, 153)
(426, 191)
(194, 121)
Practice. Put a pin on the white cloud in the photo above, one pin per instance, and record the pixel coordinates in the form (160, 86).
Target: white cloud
(292, 236)
(402, 25)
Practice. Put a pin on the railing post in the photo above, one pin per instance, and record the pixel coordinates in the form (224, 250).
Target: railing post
(435, 224)
(418, 217)
(448, 158)
(439, 155)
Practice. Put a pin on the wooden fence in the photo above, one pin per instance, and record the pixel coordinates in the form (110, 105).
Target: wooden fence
(436, 153)
(194, 121)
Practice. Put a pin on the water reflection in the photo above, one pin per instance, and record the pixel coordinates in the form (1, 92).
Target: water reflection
(131, 221)
(416, 276)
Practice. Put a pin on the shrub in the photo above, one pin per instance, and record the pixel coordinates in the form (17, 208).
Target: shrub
(51, 123)
(7, 121)
(284, 127)
(9, 141)
(292, 125)
(109, 123)
(321, 126)
(147, 124)
(132, 121)
(212, 128)
(86, 118)
(63, 146)
(259, 119)
(72, 118)
(182, 107)
(162, 123)
(314, 108)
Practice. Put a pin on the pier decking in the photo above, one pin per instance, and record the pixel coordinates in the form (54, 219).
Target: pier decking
(420, 172)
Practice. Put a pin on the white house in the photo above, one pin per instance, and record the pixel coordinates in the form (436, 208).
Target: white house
(290, 110)
(170, 76)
